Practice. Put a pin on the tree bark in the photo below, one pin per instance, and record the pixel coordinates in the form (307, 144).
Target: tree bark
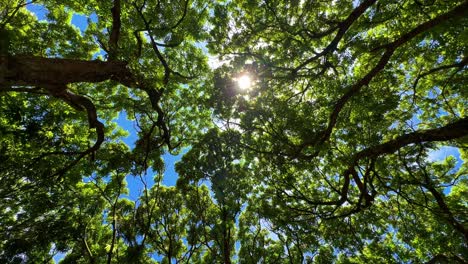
(448, 214)
(450, 131)
(39, 71)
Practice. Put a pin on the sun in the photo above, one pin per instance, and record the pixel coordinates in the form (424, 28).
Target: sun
(244, 81)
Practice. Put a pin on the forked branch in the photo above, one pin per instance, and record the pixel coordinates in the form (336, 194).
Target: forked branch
(457, 12)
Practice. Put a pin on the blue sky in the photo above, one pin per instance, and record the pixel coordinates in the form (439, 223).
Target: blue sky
(134, 182)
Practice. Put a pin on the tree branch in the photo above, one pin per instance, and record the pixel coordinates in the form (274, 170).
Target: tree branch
(39, 71)
(445, 209)
(451, 131)
(167, 69)
(80, 103)
(459, 65)
(457, 12)
(115, 31)
(342, 28)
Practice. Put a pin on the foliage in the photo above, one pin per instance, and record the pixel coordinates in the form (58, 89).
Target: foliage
(327, 158)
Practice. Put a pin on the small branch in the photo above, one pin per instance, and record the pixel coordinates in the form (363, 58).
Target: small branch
(114, 221)
(460, 65)
(34, 90)
(167, 70)
(445, 209)
(343, 27)
(88, 250)
(139, 43)
(181, 19)
(183, 15)
(318, 35)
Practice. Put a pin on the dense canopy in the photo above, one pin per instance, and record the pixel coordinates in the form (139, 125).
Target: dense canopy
(307, 131)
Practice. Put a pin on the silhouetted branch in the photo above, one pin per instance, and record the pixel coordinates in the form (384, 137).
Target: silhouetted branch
(459, 65)
(457, 12)
(115, 31)
(342, 28)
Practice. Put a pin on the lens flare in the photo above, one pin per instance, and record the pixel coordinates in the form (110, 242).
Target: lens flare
(244, 82)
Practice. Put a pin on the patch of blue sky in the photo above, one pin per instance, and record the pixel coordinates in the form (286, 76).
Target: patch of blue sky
(355, 3)
(100, 55)
(128, 125)
(156, 256)
(57, 255)
(39, 10)
(81, 21)
(434, 92)
(170, 175)
(136, 187)
(414, 122)
(444, 152)
(202, 46)
(90, 178)
(136, 183)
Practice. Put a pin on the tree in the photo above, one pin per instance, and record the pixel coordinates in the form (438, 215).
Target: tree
(61, 88)
(325, 158)
(349, 100)
(217, 159)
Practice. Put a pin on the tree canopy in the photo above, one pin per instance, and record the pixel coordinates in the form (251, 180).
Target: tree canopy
(310, 131)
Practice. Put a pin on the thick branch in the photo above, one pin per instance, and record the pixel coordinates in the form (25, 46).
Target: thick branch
(54, 74)
(115, 31)
(441, 258)
(38, 71)
(81, 103)
(451, 131)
